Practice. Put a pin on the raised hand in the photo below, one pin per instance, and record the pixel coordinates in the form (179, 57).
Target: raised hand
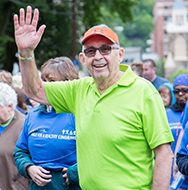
(26, 35)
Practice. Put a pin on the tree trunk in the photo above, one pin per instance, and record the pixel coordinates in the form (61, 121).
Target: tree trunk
(10, 56)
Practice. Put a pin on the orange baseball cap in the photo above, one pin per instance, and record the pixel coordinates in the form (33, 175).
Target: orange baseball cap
(102, 31)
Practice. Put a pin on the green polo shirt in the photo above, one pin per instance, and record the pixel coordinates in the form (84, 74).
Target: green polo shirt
(115, 131)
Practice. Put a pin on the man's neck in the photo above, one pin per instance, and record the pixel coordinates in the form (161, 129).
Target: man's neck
(154, 77)
(103, 84)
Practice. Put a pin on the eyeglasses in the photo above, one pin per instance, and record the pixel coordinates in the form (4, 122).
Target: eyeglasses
(104, 50)
(183, 90)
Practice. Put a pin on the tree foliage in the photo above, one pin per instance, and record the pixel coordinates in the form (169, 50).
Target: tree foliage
(93, 14)
(178, 72)
(137, 30)
(57, 15)
(140, 29)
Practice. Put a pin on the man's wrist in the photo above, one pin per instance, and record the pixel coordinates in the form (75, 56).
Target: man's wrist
(25, 52)
(26, 58)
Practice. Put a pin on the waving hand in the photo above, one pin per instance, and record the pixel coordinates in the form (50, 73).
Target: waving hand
(27, 38)
(26, 35)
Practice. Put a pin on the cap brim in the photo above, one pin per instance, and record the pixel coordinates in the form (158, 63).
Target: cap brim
(96, 34)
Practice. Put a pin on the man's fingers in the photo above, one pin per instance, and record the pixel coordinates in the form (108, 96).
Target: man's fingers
(16, 24)
(41, 31)
(35, 18)
(28, 15)
(22, 17)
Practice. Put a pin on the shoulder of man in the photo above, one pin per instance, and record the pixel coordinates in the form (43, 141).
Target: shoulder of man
(162, 78)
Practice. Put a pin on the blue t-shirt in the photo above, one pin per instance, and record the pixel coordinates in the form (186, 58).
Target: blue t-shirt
(183, 149)
(5, 125)
(184, 118)
(175, 126)
(174, 120)
(2, 129)
(50, 139)
(159, 81)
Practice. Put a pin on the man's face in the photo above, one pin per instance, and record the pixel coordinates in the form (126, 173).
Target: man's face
(180, 95)
(102, 67)
(148, 71)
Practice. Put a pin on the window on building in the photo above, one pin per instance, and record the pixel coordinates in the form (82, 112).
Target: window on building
(165, 18)
(180, 49)
(179, 20)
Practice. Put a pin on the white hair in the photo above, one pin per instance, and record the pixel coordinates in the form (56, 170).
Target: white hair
(8, 95)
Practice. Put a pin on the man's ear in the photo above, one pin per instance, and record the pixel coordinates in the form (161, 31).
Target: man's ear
(10, 107)
(82, 59)
(121, 55)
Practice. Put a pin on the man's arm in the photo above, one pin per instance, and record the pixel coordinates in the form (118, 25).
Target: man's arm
(162, 169)
(175, 167)
(182, 162)
(27, 38)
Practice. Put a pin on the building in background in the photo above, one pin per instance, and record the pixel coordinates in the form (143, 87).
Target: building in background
(170, 35)
(132, 55)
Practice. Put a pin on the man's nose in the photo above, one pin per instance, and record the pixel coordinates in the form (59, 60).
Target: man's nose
(98, 54)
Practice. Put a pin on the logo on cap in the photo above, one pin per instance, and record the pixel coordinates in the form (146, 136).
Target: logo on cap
(102, 31)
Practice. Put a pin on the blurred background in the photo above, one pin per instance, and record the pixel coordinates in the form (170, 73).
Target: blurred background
(156, 29)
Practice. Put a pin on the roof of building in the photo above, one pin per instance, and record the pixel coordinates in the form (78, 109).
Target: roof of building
(179, 4)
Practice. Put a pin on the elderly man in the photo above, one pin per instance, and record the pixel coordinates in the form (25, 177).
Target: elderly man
(120, 118)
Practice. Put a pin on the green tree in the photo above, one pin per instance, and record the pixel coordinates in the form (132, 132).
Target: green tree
(137, 30)
(178, 72)
(57, 15)
(140, 29)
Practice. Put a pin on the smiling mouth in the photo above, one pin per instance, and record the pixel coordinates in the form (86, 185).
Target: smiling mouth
(100, 66)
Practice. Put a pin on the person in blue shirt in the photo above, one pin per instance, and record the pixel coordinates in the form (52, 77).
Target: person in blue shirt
(182, 154)
(175, 112)
(47, 144)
